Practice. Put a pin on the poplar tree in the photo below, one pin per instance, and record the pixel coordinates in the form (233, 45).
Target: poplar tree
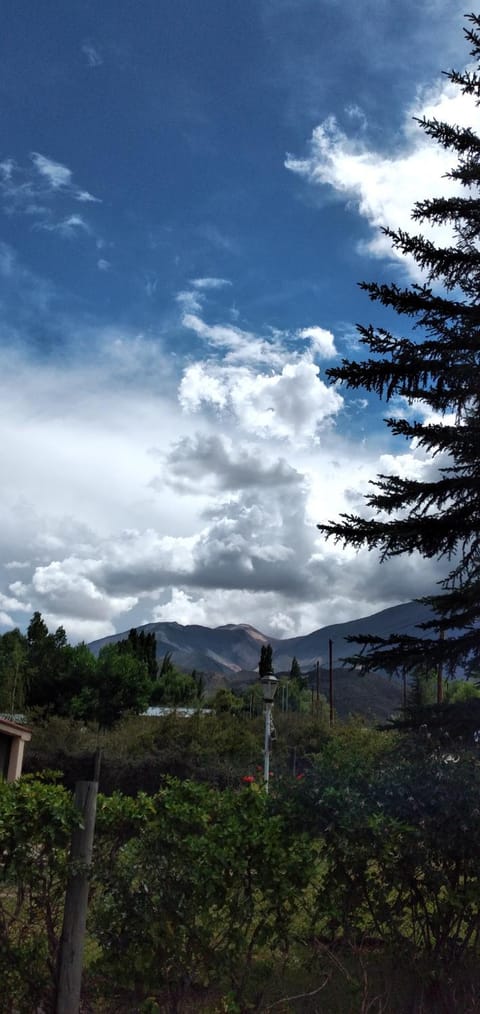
(435, 364)
(265, 665)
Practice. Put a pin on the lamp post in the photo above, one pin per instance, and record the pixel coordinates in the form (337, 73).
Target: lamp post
(269, 683)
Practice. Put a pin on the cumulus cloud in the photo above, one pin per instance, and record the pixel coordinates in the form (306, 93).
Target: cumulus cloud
(293, 404)
(252, 552)
(141, 500)
(65, 587)
(208, 461)
(384, 185)
(286, 400)
(322, 342)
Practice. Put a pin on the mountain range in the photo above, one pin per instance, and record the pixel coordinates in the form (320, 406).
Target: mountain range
(229, 655)
(235, 648)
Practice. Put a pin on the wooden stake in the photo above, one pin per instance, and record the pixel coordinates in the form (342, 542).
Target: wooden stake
(69, 979)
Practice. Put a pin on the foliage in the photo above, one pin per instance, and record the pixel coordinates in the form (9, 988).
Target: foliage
(435, 515)
(174, 688)
(138, 751)
(367, 856)
(400, 847)
(211, 882)
(292, 695)
(121, 684)
(45, 666)
(422, 690)
(143, 646)
(13, 672)
(353, 748)
(295, 671)
(36, 822)
(461, 690)
(44, 674)
(224, 701)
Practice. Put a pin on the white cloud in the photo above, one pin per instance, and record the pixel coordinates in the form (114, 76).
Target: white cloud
(65, 587)
(67, 227)
(383, 186)
(59, 177)
(200, 386)
(13, 604)
(56, 174)
(210, 283)
(132, 508)
(293, 404)
(240, 345)
(240, 545)
(322, 341)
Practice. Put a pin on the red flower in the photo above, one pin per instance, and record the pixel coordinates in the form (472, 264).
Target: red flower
(248, 779)
(300, 776)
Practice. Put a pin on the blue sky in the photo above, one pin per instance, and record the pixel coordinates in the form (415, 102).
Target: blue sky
(189, 193)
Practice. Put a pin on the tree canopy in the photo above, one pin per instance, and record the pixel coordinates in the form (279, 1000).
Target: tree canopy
(437, 374)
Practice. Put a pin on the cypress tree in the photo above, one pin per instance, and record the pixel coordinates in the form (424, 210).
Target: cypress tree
(296, 672)
(436, 364)
(265, 665)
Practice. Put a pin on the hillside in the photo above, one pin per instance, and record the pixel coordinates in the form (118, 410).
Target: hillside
(234, 649)
(229, 655)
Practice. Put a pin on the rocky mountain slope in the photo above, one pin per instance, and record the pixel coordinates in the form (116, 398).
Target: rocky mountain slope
(229, 656)
(234, 649)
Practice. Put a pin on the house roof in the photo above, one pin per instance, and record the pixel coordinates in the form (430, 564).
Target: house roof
(14, 728)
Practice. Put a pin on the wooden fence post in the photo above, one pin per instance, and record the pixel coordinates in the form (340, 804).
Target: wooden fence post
(69, 978)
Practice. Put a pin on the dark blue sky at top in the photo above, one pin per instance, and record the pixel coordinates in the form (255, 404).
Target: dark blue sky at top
(181, 131)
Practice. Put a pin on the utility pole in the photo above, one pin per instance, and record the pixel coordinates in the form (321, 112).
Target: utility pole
(440, 674)
(317, 681)
(330, 678)
(269, 684)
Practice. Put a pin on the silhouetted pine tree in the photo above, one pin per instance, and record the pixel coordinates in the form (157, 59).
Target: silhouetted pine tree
(440, 517)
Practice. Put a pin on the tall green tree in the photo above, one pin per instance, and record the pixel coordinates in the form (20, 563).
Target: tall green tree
(174, 688)
(265, 664)
(13, 671)
(295, 671)
(144, 647)
(46, 665)
(435, 365)
(122, 685)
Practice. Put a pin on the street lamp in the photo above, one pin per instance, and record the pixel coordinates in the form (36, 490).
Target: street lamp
(269, 683)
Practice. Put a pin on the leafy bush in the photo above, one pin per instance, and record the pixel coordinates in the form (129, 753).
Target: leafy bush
(36, 822)
(400, 843)
(196, 887)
